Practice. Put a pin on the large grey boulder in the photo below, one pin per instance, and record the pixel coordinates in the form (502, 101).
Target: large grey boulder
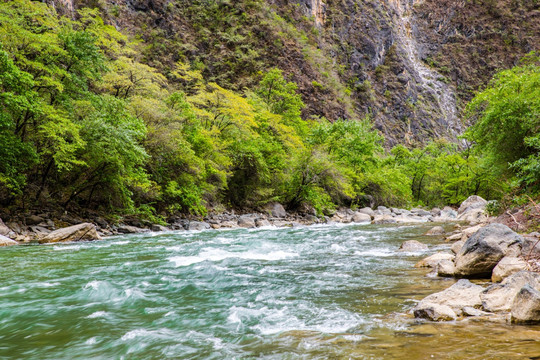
(246, 221)
(359, 217)
(368, 211)
(457, 246)
(472, 202)
(433, 260)
(526, 306)
(198, 225)
(5, 241)
(436, 230)
(434, 312)
(278, 211)
(499, 297)
(413, 245)
(445, 268)
(483, 250)
(262, 222)
(507, 266)
(6, 231)
(129, 229)
(458, 296)
(474, 216)
(84, 231)
(383, 219)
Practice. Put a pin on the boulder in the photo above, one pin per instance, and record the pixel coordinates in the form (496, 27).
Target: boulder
(359, 217)
(6, 231)
(33, 220)
(468, 232)
(159, 228)
(454, 237)
(457, 246)
(472, 202)
(278, 211)
(446, 214)
(433, 260)
(262, 222)
(531, 246)
(445, 268)
(526, 306)
(198, 225)
(411, 218)
(474, 216)
(413, 245)
(420, 212)
(458, 296)
(499, 297)
(507, 266)
(482, 251)
(246, 221)
(368, 211)
(434, 312)
(5, 241)
(128, 229)
(383, 219)
(84, 231)
(470, 311)
(437, 230)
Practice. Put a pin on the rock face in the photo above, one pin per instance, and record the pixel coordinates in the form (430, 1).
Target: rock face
(483, 250)
(526, 306)
(433, 260)
(5, 241)
(506, 267)
(413, 245)
(458, 296)
(84, 231)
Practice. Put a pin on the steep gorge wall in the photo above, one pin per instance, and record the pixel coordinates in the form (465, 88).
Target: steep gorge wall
(409, 64)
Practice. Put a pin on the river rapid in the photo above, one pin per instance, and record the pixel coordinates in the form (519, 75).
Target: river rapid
(318, 292)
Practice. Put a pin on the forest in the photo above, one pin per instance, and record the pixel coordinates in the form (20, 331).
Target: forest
(87, 122)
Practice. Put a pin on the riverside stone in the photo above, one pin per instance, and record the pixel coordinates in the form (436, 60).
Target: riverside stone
(445, 268)
(436, 230)
(157, 227)
(483, 250)
(278, 211)
(383, 219)
(454, 237)
(5, 230)
(474, 216)
(434, 312)
(198, 225)
(508, 266)
(128, 229)
(5, 241)
(526, 306)
(458, 296)
(499, 297)
(413, 245)
(472, 202)
(359, 217)
(262, 222)
(246, 221)
(367, 210)
(457, 246)
(433, 260)
(84, 231)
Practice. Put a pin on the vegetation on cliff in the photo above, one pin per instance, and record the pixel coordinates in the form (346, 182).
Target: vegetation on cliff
(92, 118)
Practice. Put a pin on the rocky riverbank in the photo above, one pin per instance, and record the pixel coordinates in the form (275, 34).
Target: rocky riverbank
(50, 227)
(503, 267)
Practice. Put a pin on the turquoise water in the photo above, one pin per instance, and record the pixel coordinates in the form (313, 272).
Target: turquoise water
(321, 292)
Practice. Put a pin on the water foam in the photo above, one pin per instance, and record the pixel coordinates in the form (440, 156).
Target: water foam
(219, 255)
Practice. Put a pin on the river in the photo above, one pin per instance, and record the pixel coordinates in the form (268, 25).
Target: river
(318, 292)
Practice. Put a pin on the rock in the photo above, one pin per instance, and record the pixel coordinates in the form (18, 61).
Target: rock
(413, 245)
(159, 228)
(468, 232)
(5, 241)
(84, 231)
(499, 297)
(278, 211)
(433, 260)
(482, 251)
(262, 222)
(198, 225)
(506, 267)
(420, 212)
(434, 312)
(229, 224)
(462, 294)
(470, 311)
(6, 231)
(435, 212)
(437, 230)
(531, 246)
(474, 216)
(368, 211)
(101, 222)
(526, 306)
(246, 221)
(128, 229)
(457, 246)
(446, 214)
(472, 202)
(359, 217)
(454, 237)
(445, 268)
(383, 219)
(410, 218)
(40, 231)
(33, 220)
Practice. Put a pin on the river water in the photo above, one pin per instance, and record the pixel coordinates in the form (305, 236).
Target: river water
(319, 292)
